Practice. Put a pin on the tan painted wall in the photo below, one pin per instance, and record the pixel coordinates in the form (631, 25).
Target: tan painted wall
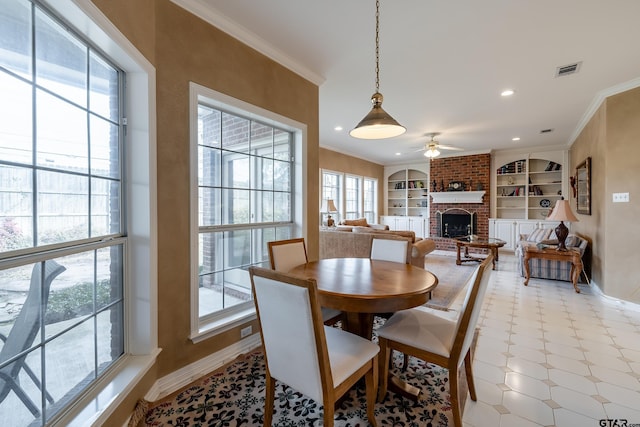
(591, 143)
(184, 48)
(612, 138)
(622, 272)
(338, 162)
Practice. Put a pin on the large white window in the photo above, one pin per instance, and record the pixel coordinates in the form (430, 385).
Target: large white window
(63, 233)
(353, 201)
(331, 190)
(245, 198)
(354, 196)
(370, 200)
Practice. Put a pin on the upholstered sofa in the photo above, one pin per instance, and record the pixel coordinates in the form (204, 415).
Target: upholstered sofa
(546, 269)
(335, 243)
(349, 224)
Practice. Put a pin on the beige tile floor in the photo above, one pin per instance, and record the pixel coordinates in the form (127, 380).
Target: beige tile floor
(548, 356)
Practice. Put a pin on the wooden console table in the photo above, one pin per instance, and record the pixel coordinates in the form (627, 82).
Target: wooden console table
(552, 254)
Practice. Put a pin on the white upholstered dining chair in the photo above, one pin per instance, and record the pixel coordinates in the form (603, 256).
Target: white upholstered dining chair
(319, 361)
(439, 340)
(389, 250)
(289, 253)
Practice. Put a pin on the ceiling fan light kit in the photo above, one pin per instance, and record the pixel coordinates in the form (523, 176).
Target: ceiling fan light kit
(378, 124)
(432, 152)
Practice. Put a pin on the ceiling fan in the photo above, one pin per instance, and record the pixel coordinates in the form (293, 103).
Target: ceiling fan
(432, 148)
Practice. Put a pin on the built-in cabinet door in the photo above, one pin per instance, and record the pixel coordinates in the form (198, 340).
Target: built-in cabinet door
(417, 224)
(503, 230)
(388, 221)
(402, 223)
(525, 227)
(396, 222)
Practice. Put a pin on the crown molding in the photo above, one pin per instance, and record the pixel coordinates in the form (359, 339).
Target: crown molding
(597, 101)
(209, 14)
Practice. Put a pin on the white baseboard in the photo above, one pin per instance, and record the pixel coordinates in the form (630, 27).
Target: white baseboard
(627, 305)
(186, 375)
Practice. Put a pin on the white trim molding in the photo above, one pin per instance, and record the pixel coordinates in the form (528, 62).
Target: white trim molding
(184, 376)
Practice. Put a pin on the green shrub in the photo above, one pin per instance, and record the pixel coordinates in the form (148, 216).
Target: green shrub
(76, 301)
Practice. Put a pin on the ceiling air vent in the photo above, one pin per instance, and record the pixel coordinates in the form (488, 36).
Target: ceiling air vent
(546, 131)
(565, 70)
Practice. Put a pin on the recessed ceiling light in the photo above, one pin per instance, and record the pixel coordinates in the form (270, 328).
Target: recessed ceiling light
(398, 154)
(337, 128)
(517, 138)
(507, 92)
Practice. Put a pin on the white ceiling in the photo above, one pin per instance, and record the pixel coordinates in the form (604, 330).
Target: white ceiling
(444, 63)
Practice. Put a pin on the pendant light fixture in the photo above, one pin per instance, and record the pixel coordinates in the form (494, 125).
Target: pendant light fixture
(377, 124)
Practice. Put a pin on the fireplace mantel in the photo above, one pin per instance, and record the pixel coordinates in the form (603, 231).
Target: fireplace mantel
(457, 196)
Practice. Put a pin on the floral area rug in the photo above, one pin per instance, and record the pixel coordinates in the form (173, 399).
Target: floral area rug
(234, 396)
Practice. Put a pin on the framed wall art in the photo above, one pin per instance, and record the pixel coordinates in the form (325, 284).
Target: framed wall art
(583, 187)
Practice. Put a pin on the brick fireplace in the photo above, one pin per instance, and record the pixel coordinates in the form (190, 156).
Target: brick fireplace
(475, 172)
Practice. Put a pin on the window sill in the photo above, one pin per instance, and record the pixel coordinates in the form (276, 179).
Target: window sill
(218, 326)
(98, 404)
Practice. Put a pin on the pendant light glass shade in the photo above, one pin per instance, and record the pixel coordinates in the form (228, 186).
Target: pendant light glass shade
(378, 124)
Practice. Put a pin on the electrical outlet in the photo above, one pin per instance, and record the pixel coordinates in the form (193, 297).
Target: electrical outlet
(245, 332)
(620, 197)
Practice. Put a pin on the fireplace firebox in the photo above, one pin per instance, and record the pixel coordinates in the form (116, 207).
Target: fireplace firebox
(456, 222)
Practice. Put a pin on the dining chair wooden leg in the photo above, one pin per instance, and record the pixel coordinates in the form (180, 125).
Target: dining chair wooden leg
(270, 388)
(405, 363)
(469, 371)
(383, 364)
(329, 413)
(455, 401)
(371, 382)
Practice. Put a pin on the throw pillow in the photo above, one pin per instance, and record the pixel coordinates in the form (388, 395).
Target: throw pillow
(572, 241)
(539, 234)
(361, 222)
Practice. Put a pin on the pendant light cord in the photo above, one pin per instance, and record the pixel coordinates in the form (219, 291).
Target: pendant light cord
(377, 46)
(378, 124)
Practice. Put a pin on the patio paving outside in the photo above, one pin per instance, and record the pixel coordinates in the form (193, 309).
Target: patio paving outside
(71, 360)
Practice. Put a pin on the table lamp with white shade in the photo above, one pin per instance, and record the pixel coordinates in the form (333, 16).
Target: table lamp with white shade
(329, 207)
(562, 212)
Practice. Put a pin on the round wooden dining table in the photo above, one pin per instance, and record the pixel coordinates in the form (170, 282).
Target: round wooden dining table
(362, 287)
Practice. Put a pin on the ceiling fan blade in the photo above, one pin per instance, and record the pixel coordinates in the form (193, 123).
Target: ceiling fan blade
(448, 147)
